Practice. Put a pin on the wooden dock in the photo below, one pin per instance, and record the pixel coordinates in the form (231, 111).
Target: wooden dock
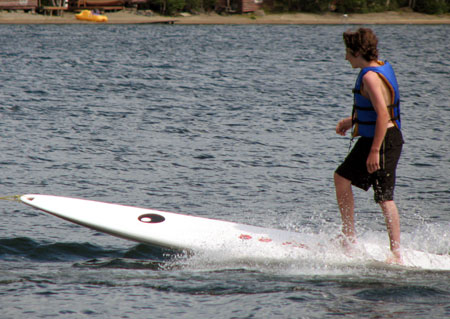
(62, 20)
(53, 11)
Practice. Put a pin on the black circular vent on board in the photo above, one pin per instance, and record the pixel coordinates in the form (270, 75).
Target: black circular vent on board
(151, 218)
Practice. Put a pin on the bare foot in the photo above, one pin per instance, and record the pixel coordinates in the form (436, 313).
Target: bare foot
(348, 244)
(395, 259)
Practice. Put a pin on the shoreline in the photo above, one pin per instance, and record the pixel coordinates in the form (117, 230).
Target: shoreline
(133, 17)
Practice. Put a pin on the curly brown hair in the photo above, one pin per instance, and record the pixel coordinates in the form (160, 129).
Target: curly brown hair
(363, 41)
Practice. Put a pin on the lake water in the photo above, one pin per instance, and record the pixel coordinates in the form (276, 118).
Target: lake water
(228, 122)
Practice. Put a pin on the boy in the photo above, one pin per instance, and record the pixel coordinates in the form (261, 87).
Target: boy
(376, 119)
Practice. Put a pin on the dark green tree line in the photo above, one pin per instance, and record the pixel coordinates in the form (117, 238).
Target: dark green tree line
(170, 7)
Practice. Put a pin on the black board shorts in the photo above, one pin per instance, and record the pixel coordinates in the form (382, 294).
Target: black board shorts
(382, 181)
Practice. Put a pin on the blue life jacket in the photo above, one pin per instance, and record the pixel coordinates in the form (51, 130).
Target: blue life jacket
(364, 115)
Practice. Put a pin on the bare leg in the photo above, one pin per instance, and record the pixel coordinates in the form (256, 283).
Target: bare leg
(392, 219)
(346, 204)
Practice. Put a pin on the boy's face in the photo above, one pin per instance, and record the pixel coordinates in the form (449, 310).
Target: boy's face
(350, 57)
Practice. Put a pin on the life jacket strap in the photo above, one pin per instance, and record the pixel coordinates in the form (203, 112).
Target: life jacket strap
(364, 122)
(370, 108)
(363, 108)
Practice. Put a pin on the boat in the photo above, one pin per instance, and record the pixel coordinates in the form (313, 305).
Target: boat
(88, 15)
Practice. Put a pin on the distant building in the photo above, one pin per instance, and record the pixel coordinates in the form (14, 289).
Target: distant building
(239, 6)
(111, 5)
(96, 4)
(18, 4)
(229, 6)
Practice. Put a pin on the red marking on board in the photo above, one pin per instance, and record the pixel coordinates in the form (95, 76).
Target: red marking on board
(245, 237)
(294, 244)
(265, 240)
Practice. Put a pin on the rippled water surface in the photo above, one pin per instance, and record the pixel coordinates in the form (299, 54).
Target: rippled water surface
(228, 122)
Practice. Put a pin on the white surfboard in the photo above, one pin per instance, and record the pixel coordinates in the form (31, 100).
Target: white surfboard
(158, 228)
(197, 234)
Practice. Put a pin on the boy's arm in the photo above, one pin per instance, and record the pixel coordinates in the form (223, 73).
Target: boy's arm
(344, 125)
